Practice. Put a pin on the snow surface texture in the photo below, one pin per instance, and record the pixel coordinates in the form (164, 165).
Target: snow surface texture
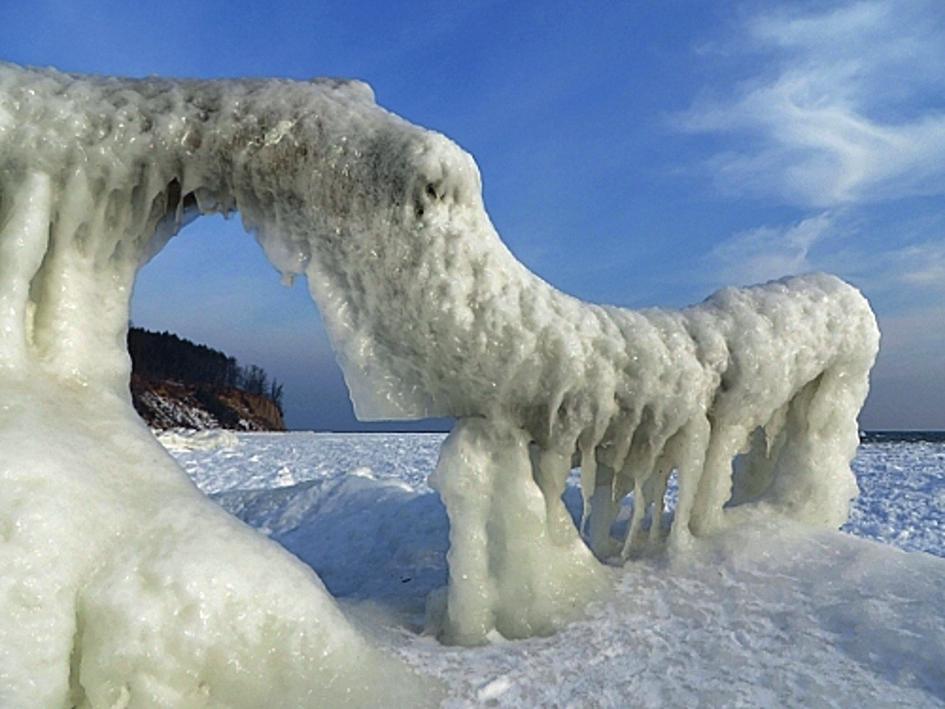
(765, 615)
(430, 315)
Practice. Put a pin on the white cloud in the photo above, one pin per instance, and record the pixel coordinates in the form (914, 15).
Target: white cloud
(770, 252)
(838, 110)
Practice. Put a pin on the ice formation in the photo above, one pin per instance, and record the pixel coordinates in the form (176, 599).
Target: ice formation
(429, 314)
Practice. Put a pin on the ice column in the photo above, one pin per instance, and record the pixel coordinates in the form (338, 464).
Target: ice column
(516, 565)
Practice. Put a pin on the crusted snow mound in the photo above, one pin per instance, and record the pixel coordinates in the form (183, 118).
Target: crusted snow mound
(429, 314)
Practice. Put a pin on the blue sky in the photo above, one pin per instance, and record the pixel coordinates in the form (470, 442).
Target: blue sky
(636, 154)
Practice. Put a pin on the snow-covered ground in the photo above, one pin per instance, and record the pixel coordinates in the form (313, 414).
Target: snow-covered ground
(760, 616)
(902, 495)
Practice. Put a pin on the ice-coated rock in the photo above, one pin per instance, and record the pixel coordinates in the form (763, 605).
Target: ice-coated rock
(429, 314)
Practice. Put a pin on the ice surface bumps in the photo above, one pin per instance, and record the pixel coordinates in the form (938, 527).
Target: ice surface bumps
(429, 314)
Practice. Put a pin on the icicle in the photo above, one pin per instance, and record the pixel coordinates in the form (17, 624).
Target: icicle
(689, 453)
(588, 481)
(659, 504)
(603, 512)
(551, 469)
(636, 519)
(23, 243)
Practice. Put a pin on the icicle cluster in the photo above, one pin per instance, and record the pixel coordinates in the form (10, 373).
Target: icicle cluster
(750, 397)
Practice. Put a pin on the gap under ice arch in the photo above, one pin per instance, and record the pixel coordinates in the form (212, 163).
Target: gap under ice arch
(430, 315)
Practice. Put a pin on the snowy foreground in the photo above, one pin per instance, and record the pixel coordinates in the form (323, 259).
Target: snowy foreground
(757, 616)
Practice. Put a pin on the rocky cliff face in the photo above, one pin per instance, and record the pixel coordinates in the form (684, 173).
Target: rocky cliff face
(176, 383)
(167, 404)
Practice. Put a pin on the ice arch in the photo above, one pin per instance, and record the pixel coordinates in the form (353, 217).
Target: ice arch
(429, 314)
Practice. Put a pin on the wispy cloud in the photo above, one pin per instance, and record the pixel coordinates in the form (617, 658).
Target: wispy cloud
(770, 252)
(923, 265)
(838, 111)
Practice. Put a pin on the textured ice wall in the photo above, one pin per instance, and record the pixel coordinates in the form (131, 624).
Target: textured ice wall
(429, 314)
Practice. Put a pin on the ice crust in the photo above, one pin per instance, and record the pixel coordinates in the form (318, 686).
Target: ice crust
(429, 314)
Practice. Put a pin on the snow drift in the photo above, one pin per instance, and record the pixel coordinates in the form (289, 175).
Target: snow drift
(429, 314)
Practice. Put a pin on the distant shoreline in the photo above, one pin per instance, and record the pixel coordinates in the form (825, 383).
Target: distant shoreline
(902, 436)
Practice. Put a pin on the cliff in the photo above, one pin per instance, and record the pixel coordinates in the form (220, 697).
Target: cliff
(177, 384)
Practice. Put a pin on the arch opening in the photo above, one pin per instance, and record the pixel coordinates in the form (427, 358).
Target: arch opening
(213, 286)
